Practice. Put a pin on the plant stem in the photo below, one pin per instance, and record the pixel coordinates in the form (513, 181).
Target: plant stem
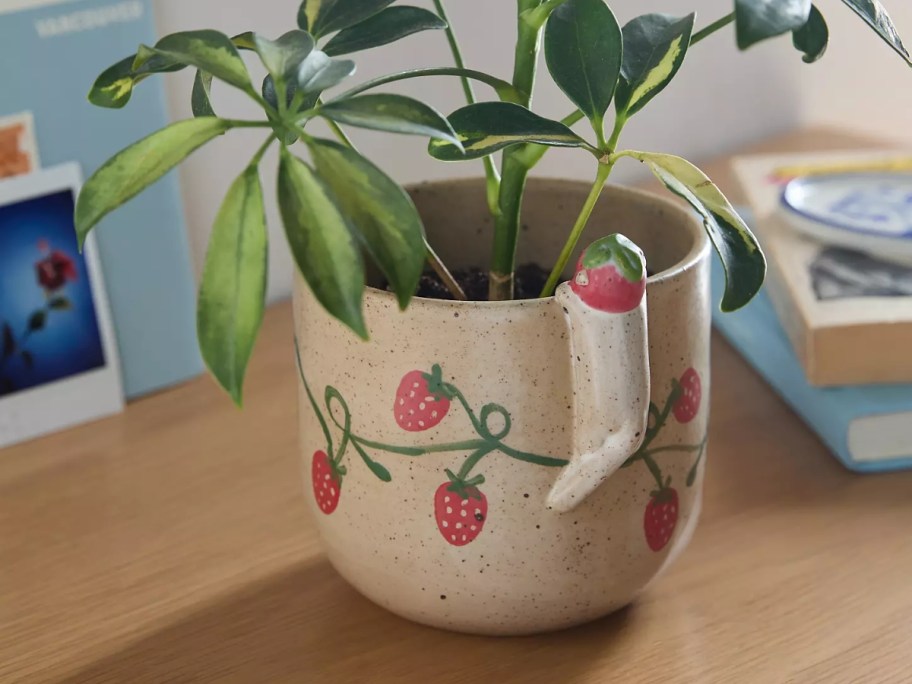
(619, 122)
(712, 28)
(444, 274)
(506, 228)
(603, 172)
(504, 90)
(515, 172)
(257, 158)
(528, 43)
(491, 175)
(237, 123)
(454, 48)
(340, 134)
(541, 13)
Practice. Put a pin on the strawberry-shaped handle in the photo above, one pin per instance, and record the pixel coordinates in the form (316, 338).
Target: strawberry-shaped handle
(605, 309)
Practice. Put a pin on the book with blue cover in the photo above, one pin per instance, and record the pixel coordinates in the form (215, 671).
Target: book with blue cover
(50, 54)
(867, 427)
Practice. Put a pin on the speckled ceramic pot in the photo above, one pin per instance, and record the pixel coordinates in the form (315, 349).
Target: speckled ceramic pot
(509, 468)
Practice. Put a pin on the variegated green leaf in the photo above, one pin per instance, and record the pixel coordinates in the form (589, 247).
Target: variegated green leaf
(321, 242)
(875, 15)
(393, 113)
(583, 49)
(283, 57)
(322, 17)
(135, 168)
(208, 50)
(114, 87)
(381, 212)
(757, 20)
(654, 49)
(385, 27)
(244, 41)
(486, 127)
(319, 72)
(201, 95)
(233, 287)
(812, 38)
(742, 258)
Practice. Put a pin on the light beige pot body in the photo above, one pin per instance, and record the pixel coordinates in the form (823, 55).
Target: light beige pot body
(532, 562)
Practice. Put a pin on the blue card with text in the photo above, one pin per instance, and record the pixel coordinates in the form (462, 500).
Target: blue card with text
(50, 54)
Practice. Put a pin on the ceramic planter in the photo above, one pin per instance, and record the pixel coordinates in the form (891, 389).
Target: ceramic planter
(516, 467)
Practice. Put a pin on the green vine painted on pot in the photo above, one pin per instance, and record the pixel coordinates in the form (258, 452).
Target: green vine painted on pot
(422, 401)
(683, 403)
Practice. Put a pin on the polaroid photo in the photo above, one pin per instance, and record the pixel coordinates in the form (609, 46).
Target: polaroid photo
(58, 353)
(18, 145)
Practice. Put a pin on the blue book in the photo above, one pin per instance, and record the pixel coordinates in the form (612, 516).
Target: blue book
(867, 427)
(51, 53)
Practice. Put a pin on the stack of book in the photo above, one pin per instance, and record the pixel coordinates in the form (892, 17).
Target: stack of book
(832, 331)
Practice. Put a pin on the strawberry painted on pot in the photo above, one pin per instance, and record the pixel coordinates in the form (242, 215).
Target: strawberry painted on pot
(422, 400)
(661, 518)
(326, 477)
(460, 509)
(688, 404)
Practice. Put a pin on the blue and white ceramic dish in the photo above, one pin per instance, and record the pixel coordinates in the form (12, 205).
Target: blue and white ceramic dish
(869, 212)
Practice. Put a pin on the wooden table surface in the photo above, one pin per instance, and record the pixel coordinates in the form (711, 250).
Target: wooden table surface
(172, 544)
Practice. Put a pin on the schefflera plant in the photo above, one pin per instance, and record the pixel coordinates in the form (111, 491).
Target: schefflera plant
(340, 207)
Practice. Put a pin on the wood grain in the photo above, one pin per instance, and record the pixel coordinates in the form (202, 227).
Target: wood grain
(171, 544)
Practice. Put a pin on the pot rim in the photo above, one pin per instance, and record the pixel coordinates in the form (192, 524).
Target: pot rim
(697, 251)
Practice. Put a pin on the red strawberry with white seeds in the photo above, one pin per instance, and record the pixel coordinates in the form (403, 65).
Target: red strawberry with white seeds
(661, 518)
(611, 275)
(327, 482)
(688, 403)
(422, 400)
(461, 510)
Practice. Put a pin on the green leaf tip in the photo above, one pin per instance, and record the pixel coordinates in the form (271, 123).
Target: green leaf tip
(138, 166)
(583, 51)
(233, 285)
(742, 258)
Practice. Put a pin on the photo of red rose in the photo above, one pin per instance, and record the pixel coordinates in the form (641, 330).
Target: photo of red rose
(55, 270)
(48, 327)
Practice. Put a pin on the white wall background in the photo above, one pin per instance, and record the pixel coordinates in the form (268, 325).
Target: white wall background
(722, 98)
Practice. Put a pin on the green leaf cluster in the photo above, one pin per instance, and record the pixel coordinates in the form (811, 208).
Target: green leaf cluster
(340, 210)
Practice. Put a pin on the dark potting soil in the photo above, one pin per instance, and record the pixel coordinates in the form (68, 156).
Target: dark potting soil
(528, 284)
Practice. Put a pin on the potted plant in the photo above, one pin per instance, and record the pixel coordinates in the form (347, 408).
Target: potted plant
(503, 466)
